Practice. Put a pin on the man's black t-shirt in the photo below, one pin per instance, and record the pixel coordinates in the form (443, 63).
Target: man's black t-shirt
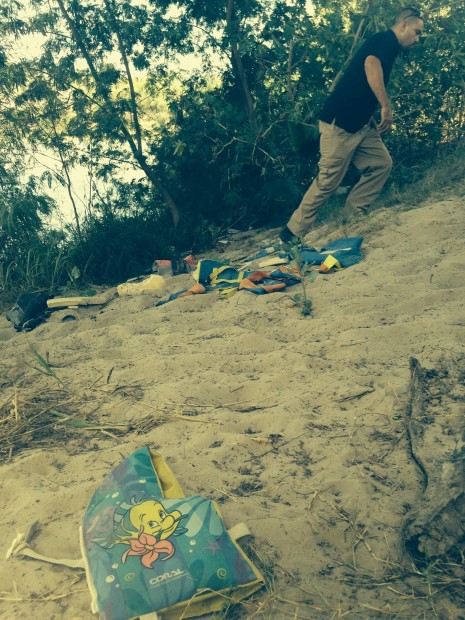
(352, 102)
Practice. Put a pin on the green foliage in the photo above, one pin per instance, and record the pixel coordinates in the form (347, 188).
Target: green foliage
(233, 143)
(24, 251)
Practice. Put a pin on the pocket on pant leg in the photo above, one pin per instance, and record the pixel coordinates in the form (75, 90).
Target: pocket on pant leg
(332, 169)
(336, 150)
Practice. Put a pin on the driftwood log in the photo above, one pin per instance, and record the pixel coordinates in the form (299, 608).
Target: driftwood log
(435, 425)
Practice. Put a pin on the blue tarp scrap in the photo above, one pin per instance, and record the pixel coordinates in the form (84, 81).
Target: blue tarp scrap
(347, 251)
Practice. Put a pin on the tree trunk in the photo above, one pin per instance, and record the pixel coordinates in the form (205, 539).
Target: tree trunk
(166, 195)
(290, 60)
(238, 66)
(69, 185)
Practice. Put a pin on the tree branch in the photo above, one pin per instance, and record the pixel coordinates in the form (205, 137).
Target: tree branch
(290, 88)
(237, 62)
(122, 51)
(138, 154)
(69, 185)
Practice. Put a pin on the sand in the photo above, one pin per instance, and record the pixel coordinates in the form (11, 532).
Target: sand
(294, 424)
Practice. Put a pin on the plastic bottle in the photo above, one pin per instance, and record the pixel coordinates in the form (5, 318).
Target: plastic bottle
(164, 268)
(149, 285)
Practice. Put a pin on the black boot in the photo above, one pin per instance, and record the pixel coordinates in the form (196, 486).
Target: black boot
(287, 237)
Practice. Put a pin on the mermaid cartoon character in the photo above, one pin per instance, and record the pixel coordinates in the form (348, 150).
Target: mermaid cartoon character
(145, 526)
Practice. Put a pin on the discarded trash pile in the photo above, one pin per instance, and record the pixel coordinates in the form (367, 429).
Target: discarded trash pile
(211, 275)
(34, 307)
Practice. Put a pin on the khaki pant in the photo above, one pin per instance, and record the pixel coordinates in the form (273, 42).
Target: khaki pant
(338, 148)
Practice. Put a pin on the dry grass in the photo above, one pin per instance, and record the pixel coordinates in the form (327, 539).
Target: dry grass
(64, 590)
(34, 415)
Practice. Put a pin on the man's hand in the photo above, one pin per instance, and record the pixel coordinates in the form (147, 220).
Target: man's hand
(386, 118)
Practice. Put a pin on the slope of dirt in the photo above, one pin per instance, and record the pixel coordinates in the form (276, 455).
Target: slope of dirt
(295, 425)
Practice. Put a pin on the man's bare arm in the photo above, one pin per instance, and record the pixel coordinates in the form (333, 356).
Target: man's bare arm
(374, 73)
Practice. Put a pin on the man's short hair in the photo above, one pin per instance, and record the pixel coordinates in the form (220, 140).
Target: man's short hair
(406, 13)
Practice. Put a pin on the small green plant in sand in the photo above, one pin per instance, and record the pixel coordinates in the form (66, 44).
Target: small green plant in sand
(44, 367)
(301, 269)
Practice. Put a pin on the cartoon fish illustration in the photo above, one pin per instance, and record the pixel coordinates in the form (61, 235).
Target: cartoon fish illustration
(145, 525)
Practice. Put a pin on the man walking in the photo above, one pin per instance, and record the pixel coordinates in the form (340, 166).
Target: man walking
(348, 132)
